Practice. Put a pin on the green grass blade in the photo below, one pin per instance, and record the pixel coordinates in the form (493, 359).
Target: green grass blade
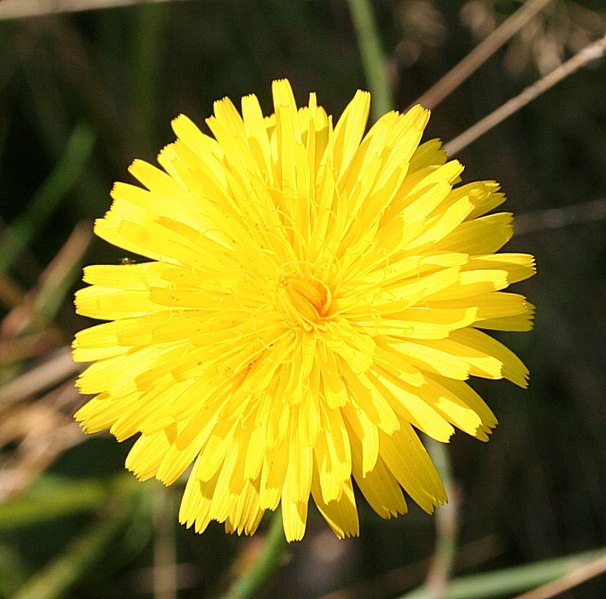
(51, 498)
(49, 196)
(84, 551)
(504, 583)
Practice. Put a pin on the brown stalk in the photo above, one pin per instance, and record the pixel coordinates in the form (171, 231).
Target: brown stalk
(580, 59)
(480, 54)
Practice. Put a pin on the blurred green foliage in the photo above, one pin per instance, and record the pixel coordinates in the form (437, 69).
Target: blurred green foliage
(83, 94)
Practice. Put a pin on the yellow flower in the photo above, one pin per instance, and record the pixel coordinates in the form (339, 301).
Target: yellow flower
(314, 296)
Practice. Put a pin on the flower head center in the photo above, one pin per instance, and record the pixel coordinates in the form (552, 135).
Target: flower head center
(304, 299)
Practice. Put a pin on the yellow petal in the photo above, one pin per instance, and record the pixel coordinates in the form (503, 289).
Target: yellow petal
(313, 297)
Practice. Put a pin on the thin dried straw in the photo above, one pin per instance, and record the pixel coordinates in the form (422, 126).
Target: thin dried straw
(588, 54)
(556, 218)
(573, 579)
(481, 53)
(21, 9)
(53, 371)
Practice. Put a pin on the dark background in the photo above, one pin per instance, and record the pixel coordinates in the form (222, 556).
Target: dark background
(110, 81)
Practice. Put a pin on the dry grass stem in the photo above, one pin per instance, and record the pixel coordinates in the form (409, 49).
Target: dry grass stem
(481, 53)
(36, 306)
(165, 573)
(447, 525)
(53, 371)
(10, 292)
(588, 54)
(62, 265)
(21, 9)
(555, 218)
(15, 350)
(578, 576)
(40, 431)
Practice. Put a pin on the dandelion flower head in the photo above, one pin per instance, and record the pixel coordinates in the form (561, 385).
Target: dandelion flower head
(313, 295)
